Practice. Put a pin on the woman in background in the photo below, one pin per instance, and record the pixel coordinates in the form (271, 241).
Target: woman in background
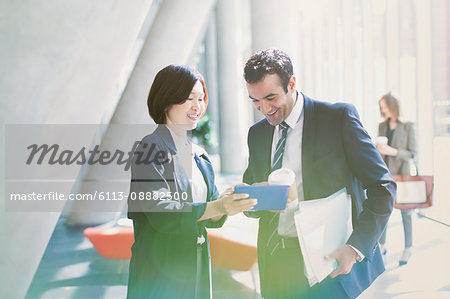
(400, 148)
(170, 255)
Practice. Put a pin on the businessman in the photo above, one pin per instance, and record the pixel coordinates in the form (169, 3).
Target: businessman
(328, 149)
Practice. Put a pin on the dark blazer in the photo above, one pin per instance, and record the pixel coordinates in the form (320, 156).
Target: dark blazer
(164, 254)
(404, 140)
(336, 152)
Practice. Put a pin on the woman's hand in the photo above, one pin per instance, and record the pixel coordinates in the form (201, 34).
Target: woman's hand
(387, 150)
(228, 203)
(233, 203)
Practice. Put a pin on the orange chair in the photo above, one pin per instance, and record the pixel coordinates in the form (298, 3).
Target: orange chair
(115, 243)
(111, 242)
(229, 254)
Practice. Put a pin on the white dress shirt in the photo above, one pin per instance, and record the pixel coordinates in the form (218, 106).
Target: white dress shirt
(185, 159)
(292, 158)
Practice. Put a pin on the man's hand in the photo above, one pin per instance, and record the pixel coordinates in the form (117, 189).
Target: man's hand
(346, 257)
(292, 196)
(292, 193)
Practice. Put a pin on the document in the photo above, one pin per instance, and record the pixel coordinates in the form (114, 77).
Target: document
(323, 225)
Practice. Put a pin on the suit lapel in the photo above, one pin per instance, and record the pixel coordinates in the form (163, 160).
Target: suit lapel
(383, 129)
(264, 149)
(206, 170)
(399, 131)
(309, 132)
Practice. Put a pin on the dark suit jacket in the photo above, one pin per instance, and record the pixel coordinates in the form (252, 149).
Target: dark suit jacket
(404, 140)
(336, 152)
(164, 254)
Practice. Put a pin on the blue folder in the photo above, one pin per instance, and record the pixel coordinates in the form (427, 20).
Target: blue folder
(270, 197)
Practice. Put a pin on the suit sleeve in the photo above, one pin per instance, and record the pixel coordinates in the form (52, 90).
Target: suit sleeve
(164, 214)
(367, 165)
(248, 176)
(211, 223)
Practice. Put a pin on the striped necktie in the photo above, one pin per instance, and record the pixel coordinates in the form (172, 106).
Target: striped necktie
(272, 242)
(279, 150)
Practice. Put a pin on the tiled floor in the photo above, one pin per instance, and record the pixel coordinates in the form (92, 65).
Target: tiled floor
(427, 273)
(71, 268)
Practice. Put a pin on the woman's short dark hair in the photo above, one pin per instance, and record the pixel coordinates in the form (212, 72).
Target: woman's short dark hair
(270, 61)
(172, 85)
(392, 104)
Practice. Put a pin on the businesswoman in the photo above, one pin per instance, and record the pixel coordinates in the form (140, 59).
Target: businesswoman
(400, 148)
(172, 194)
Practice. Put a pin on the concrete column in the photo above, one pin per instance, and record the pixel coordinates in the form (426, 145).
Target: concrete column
(358, 59)
(331, 69)
(60, 61)
(318, 62)
(231, 91)
(211, 75)
(161, 48)
(307, 63)
(424, 88)
(392, 45)
(407, 61)
(440, 39)
(379, 43)
(340, 50)
(370, 97)
(274, 24)
(349, 51)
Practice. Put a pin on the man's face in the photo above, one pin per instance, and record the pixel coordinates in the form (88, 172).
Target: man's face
(269, 97)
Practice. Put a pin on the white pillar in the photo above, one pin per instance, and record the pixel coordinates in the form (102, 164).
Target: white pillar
(349, 51)
(440, 63)
(162, 47)
(274, 24)
(380, 49)
(392, 45)
(370, 97)
(407, 61)
(211, 75)
(233, 103)
(60, 62)
(424, 88)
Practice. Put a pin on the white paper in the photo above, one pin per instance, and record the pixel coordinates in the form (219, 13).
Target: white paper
(323, 225)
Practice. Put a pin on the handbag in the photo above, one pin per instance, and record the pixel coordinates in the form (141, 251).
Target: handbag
(414, 192)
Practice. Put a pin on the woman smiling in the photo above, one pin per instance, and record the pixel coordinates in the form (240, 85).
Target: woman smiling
(170, 255)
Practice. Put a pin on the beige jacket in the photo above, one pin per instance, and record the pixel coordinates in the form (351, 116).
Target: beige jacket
(404, 140)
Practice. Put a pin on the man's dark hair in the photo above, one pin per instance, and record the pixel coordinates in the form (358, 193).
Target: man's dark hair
(270, 61)
(172, 85)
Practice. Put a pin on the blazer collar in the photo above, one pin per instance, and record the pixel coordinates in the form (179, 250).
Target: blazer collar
(264, 148)
(163, 132)
(200, 158)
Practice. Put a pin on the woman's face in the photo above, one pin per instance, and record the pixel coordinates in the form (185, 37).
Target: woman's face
(385, 112)
(190, 111)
